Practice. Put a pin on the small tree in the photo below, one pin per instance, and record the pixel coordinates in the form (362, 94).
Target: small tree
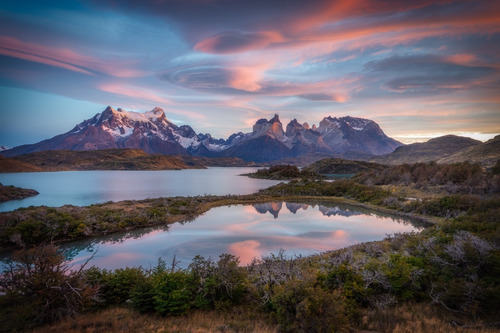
(41, 287)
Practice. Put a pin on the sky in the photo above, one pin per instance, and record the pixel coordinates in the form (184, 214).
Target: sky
(420, 69)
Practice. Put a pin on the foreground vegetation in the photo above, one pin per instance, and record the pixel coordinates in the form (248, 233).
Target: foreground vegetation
(443, 278)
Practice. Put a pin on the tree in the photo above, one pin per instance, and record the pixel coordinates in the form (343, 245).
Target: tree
(41, 287)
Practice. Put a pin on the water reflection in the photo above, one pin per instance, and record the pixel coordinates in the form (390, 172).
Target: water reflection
(274, 208)
(245, 231)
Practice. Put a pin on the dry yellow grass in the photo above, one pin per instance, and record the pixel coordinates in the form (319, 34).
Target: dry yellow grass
(422, 318)
(125, 320)
(406, 318)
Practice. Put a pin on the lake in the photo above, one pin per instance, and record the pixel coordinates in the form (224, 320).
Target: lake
(247, 231)
(82, 188)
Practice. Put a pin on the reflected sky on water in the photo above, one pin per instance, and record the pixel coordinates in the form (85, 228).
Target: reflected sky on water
(247, 231)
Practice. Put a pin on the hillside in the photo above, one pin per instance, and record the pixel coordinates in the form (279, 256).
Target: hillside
(216, 161)
(433, 150)
(8, 164)
(487, 153)
(108, 159)
(341, 166)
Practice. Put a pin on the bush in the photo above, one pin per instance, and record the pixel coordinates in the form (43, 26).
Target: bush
(40, 288)
(174, 292)
(116, 286)
(303, 306)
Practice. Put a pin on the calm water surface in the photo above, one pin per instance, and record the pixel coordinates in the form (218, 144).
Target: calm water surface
(245, 231)
(81, 188)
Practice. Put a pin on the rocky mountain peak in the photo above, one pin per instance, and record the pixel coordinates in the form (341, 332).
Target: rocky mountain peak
(272, 127)
(293, 127)
(275, 119)
(157, 111)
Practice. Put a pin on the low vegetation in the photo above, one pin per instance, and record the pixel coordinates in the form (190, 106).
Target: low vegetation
(457, 178)
(443, 278)
(106, 159)
(342, 166)
(13, 193)
(36, 225)
(283, 172)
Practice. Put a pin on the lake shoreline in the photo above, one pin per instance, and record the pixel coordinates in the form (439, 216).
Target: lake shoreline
(78, 223)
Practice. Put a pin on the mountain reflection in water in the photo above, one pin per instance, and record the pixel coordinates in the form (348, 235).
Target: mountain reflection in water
(247, 231)
(274, 208)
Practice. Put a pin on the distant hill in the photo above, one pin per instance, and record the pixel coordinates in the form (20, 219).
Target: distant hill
(341, 166)
(107, 159)
(437, 149)
(309, 158)
(112, 159)
(486, 153)
(216, 161)
(8, 164)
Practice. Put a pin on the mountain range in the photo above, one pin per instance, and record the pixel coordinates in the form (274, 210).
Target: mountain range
(153, 133)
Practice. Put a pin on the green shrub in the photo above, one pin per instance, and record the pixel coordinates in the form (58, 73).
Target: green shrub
(115, 287)
(174, 292)
(303, 306)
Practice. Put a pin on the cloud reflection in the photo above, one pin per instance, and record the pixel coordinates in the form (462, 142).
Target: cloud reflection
(301, 229)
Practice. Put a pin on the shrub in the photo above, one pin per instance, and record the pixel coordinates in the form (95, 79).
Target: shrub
(174, 292)
(40, 288)
(116, 286)
(303, 306)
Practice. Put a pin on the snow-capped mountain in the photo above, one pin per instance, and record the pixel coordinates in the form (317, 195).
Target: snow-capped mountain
(2, 148)
(150, 131)
(154, 133)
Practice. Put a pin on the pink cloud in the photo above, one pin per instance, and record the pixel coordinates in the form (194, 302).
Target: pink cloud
(15, 48)
(233, 42)
(66, 58)
(336, 23)
(246, 251)
(462, 58)
(246, 79)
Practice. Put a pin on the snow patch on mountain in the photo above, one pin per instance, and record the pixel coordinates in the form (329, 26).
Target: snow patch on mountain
(192, 142)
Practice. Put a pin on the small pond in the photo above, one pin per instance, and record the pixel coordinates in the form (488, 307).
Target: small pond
(247, 231)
